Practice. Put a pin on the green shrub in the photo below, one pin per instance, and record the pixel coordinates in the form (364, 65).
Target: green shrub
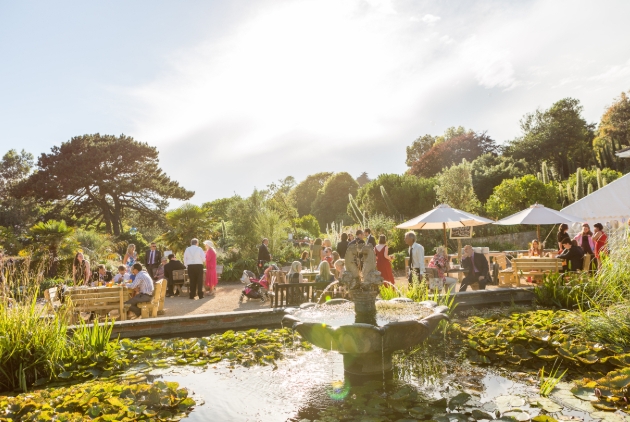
(399, 260)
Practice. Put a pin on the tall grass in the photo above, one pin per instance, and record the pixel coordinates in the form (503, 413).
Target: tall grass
(607, 318)
(418, 291)
(31, 346)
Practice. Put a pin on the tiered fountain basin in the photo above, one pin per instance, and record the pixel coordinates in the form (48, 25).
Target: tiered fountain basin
(367, 348)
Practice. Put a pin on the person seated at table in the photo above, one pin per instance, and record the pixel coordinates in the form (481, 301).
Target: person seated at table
(122, 275)
(143, 286)
(173, 264)
(340, 268)
(336, 258)
(562, 234)
(324, 276)
(440, 261)
(294, 276)
(476, 269)
(328, 256)
(535, 249)
(304, 259)
(572, 256)
(158, 274)
(101, 276)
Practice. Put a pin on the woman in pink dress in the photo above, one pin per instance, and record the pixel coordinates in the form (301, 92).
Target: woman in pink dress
(383, 262)
(211, 267)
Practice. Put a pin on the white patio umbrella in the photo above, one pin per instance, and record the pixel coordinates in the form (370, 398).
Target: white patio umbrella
(443, 217)
(538, 214)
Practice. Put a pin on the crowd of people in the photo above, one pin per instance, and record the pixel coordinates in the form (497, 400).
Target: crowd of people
(587, 242)
(141, 278)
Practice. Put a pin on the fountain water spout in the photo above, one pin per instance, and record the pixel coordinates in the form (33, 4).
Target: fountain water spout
(395, 288)
(326, 289)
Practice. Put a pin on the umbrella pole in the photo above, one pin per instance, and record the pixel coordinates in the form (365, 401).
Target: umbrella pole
(445, 244)
(538, 233)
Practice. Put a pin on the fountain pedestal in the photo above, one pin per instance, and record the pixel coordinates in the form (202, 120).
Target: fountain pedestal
(367, 364)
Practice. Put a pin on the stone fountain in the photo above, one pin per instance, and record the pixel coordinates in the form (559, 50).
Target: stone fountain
(366, 347)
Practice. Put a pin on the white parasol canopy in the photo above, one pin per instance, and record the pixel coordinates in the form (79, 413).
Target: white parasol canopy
(443, 217)
(538, 214)
(611, 202)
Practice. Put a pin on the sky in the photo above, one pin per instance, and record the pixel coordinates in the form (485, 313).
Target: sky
(238, 94)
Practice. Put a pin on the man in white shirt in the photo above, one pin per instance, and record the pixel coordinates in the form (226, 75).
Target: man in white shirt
(194, 257)
(143, 285)
(416, 257)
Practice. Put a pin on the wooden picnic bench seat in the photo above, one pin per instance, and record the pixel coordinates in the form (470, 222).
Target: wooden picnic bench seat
(53, 300)
(96, 300)
(162, 296)
(293, 294)
(150, 309)
(535, 267)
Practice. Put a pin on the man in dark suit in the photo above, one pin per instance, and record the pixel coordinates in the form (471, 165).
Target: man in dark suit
(476, 268)
(152, 259)
(173, 264)
(263, 254)
(369, 238)
(102, 275)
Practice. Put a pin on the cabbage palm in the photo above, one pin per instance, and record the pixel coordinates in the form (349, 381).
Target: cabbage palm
(52, 235)
(185, 223)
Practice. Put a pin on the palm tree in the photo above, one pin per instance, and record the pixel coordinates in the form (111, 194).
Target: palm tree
(51, 235)
(185, 223)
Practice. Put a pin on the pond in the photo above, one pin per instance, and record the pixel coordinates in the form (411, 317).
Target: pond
(310, 385)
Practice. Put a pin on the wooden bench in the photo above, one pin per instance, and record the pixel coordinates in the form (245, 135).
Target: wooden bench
(535, 267)
(96, 300)
(293, 294)
(52, 299)
(150, 309)
(162, 296)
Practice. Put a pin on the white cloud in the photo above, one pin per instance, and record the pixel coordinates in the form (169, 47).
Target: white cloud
(316, 85)
(430, 18)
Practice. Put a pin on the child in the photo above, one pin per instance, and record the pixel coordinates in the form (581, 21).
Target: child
(328, 256)
(122, 276)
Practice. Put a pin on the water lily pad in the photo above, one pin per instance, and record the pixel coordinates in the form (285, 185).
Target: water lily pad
(545, 354)
(478, 414)
(458, 400)
(505, 403)
(584, 393)
(519, 415)
(545, 403)
(543, 418)
(609, 417)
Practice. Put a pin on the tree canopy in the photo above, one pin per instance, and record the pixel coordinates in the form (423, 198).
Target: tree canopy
(184, 224)
(514, 195)
(455, 188)
(489, 170)
(398, 196)
(332, 199)
(559, 135)
(100, 176)
(305, 192)
(469, 146)
(614, 133)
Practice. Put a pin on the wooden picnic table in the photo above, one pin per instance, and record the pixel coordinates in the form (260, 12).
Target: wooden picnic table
(98, 300)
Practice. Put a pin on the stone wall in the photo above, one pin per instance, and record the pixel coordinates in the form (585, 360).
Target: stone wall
(520, 240)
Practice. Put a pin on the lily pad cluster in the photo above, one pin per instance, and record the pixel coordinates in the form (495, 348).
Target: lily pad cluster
(100, 401)
(246, 348)
(405, 403)
(534, 340)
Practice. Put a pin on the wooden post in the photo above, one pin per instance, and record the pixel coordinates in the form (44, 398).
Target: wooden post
(460, 276)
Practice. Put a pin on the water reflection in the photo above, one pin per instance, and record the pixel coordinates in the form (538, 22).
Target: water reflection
(311, 385)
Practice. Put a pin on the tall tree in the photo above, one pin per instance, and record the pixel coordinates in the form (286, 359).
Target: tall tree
(101, 176)
(16, 213)
(455, 187)
(408, 196)
(332, 199)
(469, 146)
(489, 170)
(305, 192)
(363, 179)
(559, 135)
(614, 133)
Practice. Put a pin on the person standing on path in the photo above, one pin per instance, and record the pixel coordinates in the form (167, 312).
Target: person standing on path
(211, 267)
(416, 257)
(383, 260)
(194, 258)
(152, 259)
